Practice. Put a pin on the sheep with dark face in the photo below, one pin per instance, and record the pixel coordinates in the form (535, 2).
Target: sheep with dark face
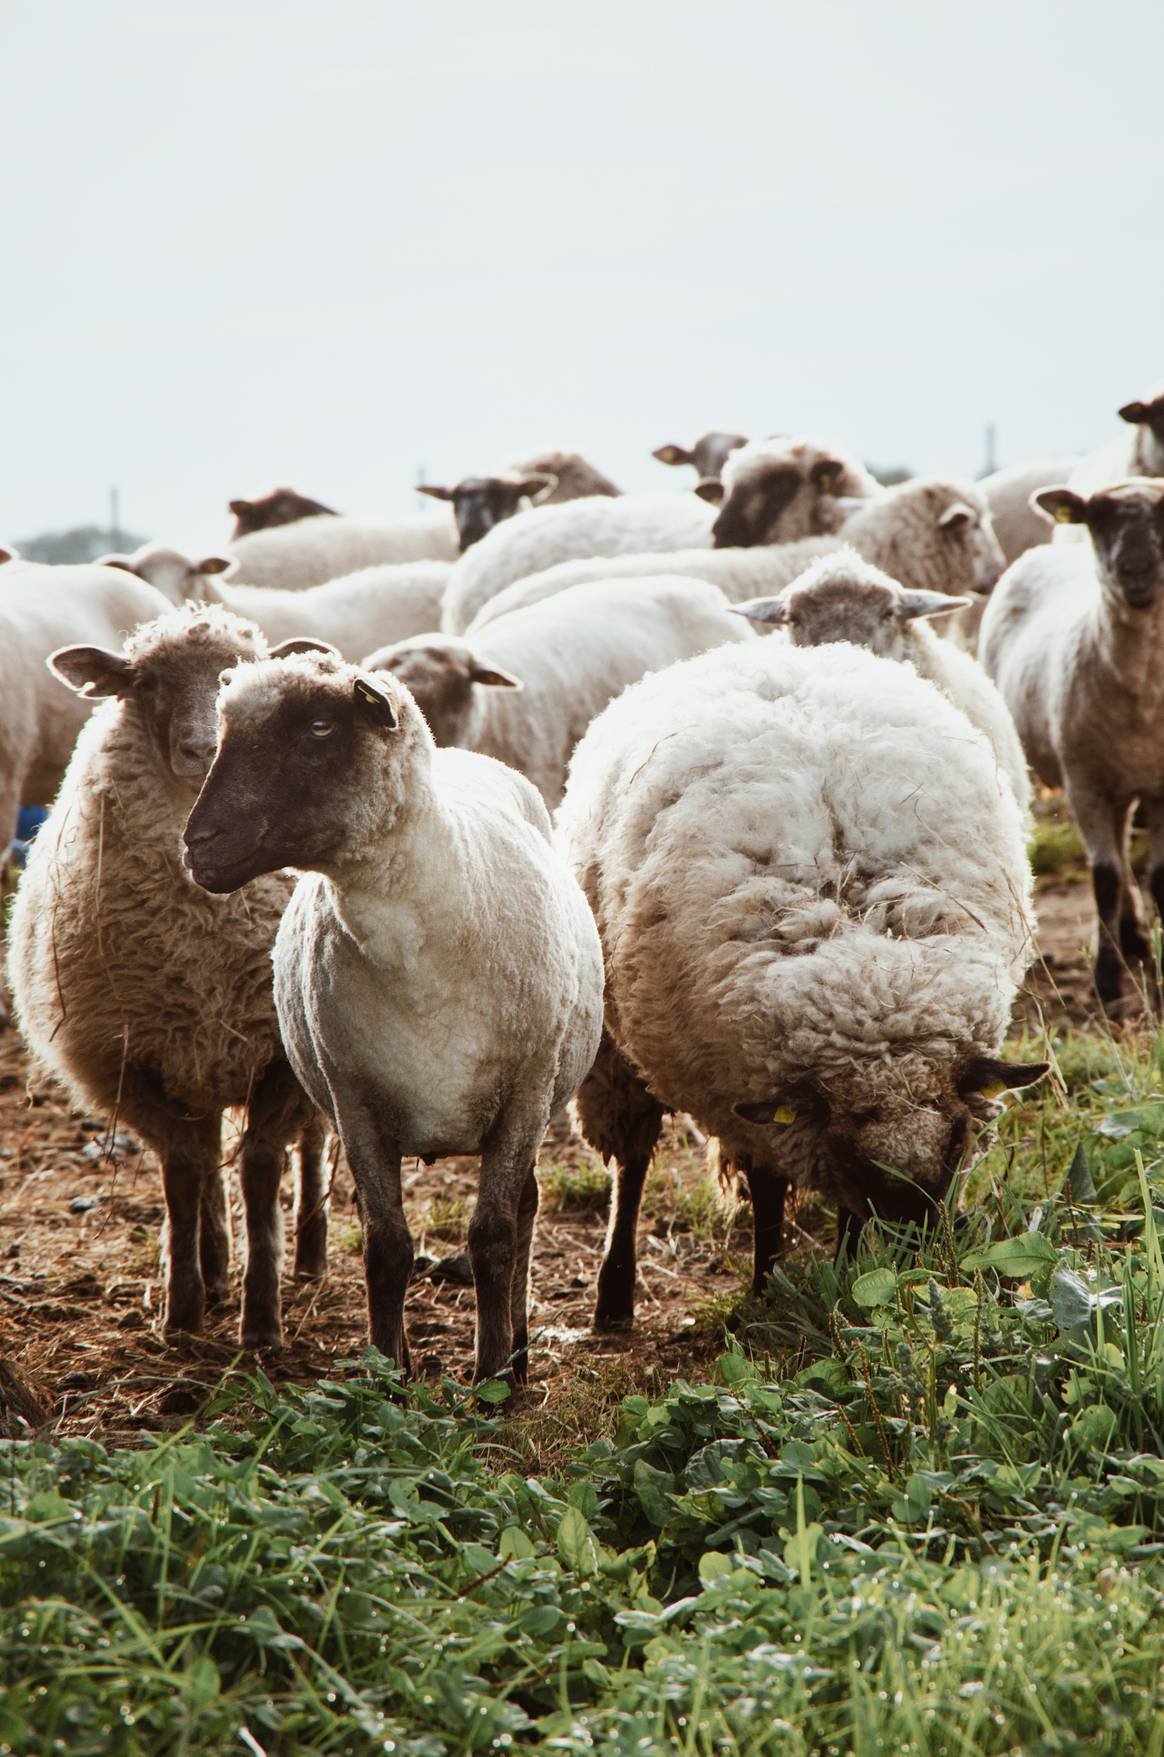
(778, 490)
(707, 456)
(480, 502)
(1135, 454)
(1074, 639)
(437, 974)
(282, 506)
(147, 999)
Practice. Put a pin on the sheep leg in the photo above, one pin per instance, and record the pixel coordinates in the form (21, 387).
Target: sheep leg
(850, 1226)
(375, 1158)
(503, 1219)
(1134, 945)
(1154, 810)
(311, 1205)
(274, 1116)
(621, 1121)
(767, 1190)
(1102, 832)
(527, 1211)
(214, 1238)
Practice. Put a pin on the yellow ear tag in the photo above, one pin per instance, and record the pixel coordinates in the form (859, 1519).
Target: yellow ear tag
(368, 695)
(1063, 516)
(826, 483)
(784, 1113)
(995, 1089)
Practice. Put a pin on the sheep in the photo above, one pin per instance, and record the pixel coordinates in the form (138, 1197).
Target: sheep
(358, 611)
(778, 490)
(814, 904)
(282, 506)
(320, 548)
(437, 974)
(480, 502)
(708, 455)
(1138, 454)
(842, 598)
(1007, 493)
(1074, 640)
(41, 607)
(931, 535)
(145, 999)
(528, 688)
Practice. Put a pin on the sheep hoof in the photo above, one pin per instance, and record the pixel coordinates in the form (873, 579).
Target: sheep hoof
(258, 1336)
(184, 1315)
(607, 1319)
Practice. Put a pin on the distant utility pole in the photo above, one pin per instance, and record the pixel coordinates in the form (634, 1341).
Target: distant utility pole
(115, 518)
(991, 463)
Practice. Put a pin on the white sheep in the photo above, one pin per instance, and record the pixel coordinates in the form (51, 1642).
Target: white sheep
(549, 479)
(437, 973)
(1007, 493)
(814, 904)
(932, 536)
(312, 550)
(150, 1001)
(1074, 639)
(528, 687)
(781, 489)
(358, 611)
(41, 608)
(707, 456)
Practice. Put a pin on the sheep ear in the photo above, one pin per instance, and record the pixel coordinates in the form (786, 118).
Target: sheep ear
(711, 489)
(92, 671)
(984, 1076)
(302, 643)
(538, 484)
(216, 564)
(911, 605)
(1134, 412)
(121, 561)
(769, 610)
(768, 1110)
(673, 454)
(373, 702)
(956, 516)
(493, 676)
(1061, 505)
(239, 506)
(7, 554)
(435, 492)
(825, 475)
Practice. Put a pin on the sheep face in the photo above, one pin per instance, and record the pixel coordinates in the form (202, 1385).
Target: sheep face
(439, 673)
(843, 598)
(282, 506)
(310, 765)
(709, 454)
(480, 502)
(1147, 412)
(777, 491)
(974, 554)
(1126, 525)
(173, 574)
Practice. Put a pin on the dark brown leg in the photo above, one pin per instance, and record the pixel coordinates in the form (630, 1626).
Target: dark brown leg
(276, 1114)
(767, 1190)
(311, 1205)
(214, 1238)
(527, 1211)
(621, 1121)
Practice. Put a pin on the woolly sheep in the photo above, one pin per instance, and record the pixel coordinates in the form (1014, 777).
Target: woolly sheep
(1074, 639)
(708, 455)
(437, 973)
(842, 598)
(149, 1001)
(1136, 454)
(41, 607)
(932, 536)
(358, 611)
(526, 690)
(480, 502)
(282, 506)
(321, 548)
(778, 490)
(814, 904)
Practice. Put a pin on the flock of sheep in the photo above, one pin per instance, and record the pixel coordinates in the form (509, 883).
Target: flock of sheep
(785, 891)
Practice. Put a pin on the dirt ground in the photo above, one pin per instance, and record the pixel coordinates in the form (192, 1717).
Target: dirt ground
(80, 1220)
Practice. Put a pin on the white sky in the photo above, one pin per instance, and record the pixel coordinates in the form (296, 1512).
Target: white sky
(327, 242)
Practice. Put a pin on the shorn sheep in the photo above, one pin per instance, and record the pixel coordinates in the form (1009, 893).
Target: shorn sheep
(480, 502)
(437, 973)
(282, 506)
(814, 904)
(707, 456)
(325, 546)
(150, 1001)
(778, 490)
(526, 689)
(842, 598)
(931, 536)
(1074, 639)
(353, 613)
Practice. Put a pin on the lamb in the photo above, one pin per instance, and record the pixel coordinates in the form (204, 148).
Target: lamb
(842, 598)
(526, 690)
(778, 490)
(781, 490)
(325, 546)
(708, 455)
(41, 607)
(358, 611)
(146, 999)
(930, 535)
(437, 973)
(814, 904)
(480, 502)
(282, 506)
(1074, 639)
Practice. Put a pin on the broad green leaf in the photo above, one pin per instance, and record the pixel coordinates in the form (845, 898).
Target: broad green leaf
(875, 1288)
(576, 1544)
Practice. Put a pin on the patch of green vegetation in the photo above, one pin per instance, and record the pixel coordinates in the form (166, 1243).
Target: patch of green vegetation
(1056, 851)
(575, 1189)
(447, 1218)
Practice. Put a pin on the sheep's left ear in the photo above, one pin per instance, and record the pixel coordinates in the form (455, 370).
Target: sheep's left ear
(825, 475)
(984, 1076)
(911, 605)
(769, 610)
(303, 643)
(1061, 505)
(1134, 413)
(493, 676)
(711, 489)
(435, 491)
(7, 554)
(673, 454)
(121, 561)
(216, 564)
(92, 671)
(767, 1110)
(538, 484)
(373, 702)
(956, 516)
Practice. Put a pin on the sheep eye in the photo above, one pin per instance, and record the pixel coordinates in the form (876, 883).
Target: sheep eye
(322, 728)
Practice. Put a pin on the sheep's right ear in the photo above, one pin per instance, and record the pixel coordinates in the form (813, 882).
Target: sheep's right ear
(711, 489)
(673, 454)
(768, 1110)
(121, 561)
(538, 484)
(92, 671)
(493, 676)
(911, 604)
(1134, 413)
(373, 702)
(1061, 505)
(239, 506)
(7, 554)
(303, 643)
(434, 491)
(769, 610)
(216, 564)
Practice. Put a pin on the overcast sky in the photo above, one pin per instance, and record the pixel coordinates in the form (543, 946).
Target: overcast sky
(330, 244)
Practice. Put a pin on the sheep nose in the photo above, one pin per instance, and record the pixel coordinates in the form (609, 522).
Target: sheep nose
(199, 835)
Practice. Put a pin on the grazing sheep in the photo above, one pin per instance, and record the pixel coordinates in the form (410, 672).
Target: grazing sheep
(842, 598)
(813, 900)
(437, 973)
(149, 1001)
(1074, 639)
(358, 611)
(41, 607)
(708, 455)
(779, 490)
(313, 550)
(480, 502)
(282, 506)
(1007, 493)
(932, 536)
(526, 690)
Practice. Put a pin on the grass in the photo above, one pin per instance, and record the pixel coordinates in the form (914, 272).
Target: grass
(917, 1505)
